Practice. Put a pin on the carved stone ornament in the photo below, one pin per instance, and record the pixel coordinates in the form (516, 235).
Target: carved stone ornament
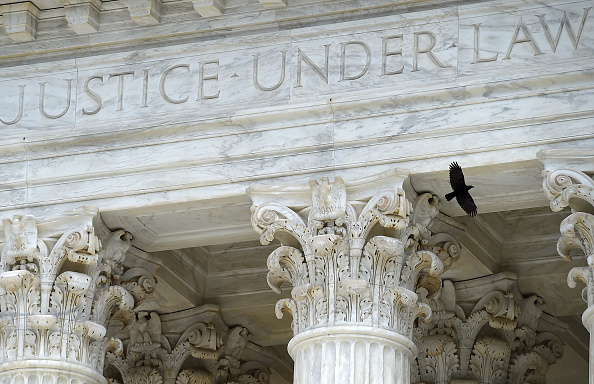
(341, 271)
(57, 293)
(571, 186)
(207, 352)
(355, 257)
(500, 341)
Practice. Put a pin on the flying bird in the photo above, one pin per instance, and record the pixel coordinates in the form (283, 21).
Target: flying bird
(461, 190)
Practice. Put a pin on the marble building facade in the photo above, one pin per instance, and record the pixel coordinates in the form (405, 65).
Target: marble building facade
(252, 191)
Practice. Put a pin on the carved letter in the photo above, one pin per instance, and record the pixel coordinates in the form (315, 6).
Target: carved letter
(343, 56)
(201, 94)
(145, 88)
(162, 84)
(120, 87)
(42, 97)
(386, 53)
(303, 57)
(93, 96)
(477, 54)
(527, 39)
(564, 21)
(417, 50)
(20, 114)
(282, 76)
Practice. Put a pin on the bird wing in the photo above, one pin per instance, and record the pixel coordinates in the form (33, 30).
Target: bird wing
(456, 176)
(467, 204)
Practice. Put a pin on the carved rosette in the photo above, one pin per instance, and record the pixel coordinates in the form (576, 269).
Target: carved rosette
(57, 294)
(345, 269)
(499, 342)
(203, 353)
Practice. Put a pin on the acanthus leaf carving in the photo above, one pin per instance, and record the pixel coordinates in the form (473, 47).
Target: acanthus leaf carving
(204, 353)
(341, 274)
(59, 291)
(577, 232)
(497, 343)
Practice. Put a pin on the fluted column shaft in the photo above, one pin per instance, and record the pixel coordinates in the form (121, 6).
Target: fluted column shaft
(588, 321)
(351, 354)
(48, 371)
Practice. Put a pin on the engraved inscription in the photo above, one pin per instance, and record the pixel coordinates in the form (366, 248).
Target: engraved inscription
(315, 65)
(282, 75)
(387, 52)
(302, 57)
(564, 23)
(162, 84)
(203, 78)
(42, 100)
(367, 50)
(528, 38)
(120, 77)
(477, 51)
(20, 113)
(94, 96)
(426, 50)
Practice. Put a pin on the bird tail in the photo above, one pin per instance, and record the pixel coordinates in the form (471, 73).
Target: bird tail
(450, 196)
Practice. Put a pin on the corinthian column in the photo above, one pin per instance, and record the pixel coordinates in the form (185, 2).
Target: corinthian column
(354, 256)
(567, 183)
(57, 294)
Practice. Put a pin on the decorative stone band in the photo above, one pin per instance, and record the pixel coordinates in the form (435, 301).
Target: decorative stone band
(351, 354)
(48, 371)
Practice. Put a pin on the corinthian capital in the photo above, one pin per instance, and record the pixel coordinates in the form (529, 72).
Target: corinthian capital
(567, 182)
(354, 252)
(58, 291)
(505, 338)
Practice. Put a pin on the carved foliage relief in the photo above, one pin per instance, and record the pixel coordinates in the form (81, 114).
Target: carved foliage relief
(345, 269)
(568, 187)
(58, 293)
(202, 354)
(498, 342)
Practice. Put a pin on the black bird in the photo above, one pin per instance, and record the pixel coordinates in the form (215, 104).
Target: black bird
(461, 190)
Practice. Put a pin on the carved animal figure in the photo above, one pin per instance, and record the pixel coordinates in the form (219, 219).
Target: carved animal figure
(461, 190)
(146, 329)
(329, 199)
(21, 237)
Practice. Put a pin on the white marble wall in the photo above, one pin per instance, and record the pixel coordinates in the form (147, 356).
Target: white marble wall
(391, 54)
(139, 149)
